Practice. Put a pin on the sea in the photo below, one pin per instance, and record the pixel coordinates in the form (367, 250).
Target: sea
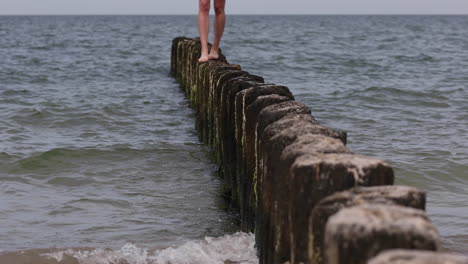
(100, 162)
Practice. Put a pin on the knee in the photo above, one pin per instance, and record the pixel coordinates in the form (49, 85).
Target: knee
(219, 7)
(204, 6)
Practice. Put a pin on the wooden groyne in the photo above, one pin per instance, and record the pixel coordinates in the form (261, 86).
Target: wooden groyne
(307, 197)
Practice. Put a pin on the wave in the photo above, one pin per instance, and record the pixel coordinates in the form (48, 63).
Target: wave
(70, 181)
(51, 46)
(418, 58)
(58, 115)
(5, 157)
(20, 77)
(55, 158)
(405, 92)
(233, 249)
(58, 159)
(60, 155)
(20, 92)
(110, 202)
(428, 97)
(362, 63)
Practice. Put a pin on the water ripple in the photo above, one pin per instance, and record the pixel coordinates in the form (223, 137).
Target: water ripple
(89, 111)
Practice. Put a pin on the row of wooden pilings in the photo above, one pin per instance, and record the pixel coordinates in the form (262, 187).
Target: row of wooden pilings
(307, 197)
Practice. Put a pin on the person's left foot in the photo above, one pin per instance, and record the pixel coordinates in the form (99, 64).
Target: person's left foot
(214, 55)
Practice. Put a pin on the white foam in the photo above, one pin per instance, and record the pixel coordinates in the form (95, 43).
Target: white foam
(236, 248)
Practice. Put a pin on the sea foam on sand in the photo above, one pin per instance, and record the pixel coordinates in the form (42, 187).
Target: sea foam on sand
(236, 248)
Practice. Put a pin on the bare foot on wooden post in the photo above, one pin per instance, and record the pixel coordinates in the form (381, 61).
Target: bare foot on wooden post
(214, 55)
(204, 57)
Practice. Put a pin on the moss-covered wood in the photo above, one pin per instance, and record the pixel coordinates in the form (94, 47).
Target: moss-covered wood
(276, 160)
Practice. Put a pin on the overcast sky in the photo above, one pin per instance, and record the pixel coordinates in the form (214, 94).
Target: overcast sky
(235, 6)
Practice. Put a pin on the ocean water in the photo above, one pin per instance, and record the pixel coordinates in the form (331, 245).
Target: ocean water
(397, 84)
(98, 153)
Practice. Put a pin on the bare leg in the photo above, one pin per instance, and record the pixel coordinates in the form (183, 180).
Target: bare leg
(204, 28)
(220, 21)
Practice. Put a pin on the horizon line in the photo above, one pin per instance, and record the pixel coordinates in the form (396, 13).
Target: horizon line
(253, 14)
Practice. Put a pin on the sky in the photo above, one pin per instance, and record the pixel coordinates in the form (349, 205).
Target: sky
(43, 7)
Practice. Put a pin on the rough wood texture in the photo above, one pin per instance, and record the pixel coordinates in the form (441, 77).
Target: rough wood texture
(315, 176)
(400, 256)
(355, 235)
(392, 195)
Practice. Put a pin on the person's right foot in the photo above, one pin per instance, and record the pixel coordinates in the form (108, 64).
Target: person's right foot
(203, 57)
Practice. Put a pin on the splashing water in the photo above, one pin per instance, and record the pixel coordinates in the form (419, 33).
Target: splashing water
(237, 248)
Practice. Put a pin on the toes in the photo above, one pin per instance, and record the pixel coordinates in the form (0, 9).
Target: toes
(203, 58)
